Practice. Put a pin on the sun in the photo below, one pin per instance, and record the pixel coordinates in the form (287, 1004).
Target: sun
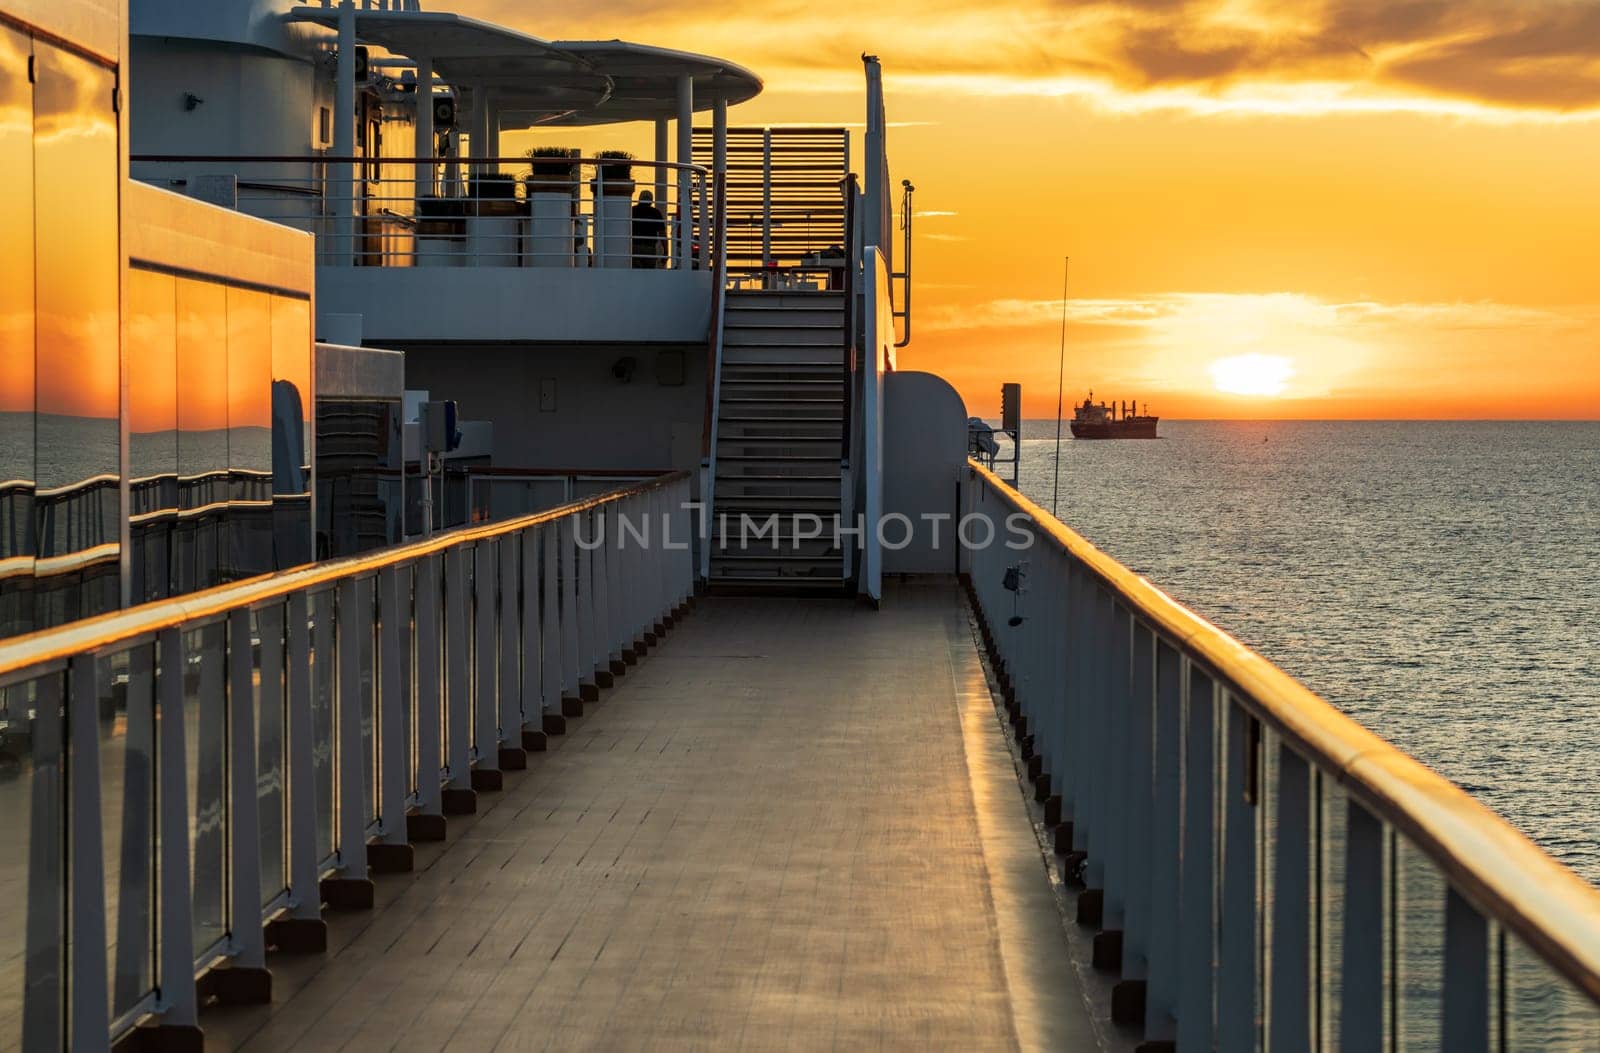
(1251, 374)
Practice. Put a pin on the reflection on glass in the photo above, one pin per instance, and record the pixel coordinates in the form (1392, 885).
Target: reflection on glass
(205, 732)
(203, 433)
(358, 475)
(249, 432)
(76, 304)
(16, 336)
(291, 432)
(152, 430)
(127, 801)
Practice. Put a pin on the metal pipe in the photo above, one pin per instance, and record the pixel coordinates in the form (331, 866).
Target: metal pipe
(341, 175)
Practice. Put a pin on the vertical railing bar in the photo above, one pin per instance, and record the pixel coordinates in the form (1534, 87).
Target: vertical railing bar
(1361, 971)
(485, 679)
(175, 969)
(134, 927)
(458, 670)
(246, 945)
(1238, 922)
(570, 640)
(1466, 977)
(392, 762)
(532, 642)
(88, 1016)
(354, 618)
(551, 650)
(1290, 1024)
(510, 709)
(1197, 877)
(305, 898)
(1161, 1001)
(429, 682)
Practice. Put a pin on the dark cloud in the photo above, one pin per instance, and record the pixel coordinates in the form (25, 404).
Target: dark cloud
(1536, 54)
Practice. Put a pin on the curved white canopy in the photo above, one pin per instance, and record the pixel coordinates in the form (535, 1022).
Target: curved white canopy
(540, 82)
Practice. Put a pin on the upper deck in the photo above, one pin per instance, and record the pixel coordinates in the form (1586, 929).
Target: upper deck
(378, 129)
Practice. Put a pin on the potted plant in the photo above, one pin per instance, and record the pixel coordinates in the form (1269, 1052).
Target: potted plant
(616, 172)
(613, 208)
(551, 169)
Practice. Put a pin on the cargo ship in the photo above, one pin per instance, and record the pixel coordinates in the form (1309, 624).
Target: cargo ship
(1092, 420)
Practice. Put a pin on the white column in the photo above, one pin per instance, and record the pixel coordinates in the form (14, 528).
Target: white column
(341, 174)
(479, 127)
(719, 174)
(424, 147)
(685, 209)
(661, 157)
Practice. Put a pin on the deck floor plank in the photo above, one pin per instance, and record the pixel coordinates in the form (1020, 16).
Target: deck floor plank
(767, 835)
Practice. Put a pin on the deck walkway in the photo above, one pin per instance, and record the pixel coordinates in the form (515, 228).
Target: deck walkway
(795, 825)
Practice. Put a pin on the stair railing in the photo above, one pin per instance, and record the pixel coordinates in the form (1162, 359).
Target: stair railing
(719, 301)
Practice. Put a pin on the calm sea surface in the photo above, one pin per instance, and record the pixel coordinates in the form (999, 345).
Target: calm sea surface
(1439, 582)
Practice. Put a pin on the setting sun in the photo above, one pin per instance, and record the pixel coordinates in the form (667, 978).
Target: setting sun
(1252, 374)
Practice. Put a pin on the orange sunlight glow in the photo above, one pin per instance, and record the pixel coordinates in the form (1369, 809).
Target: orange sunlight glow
(1251, 374)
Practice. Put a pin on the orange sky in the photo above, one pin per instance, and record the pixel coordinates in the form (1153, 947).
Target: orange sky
(1396, 199)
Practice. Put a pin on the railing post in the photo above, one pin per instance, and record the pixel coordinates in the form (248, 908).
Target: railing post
(511, 673)
(86, 913)
(246, 946)
(1120, 791)
(1290, 1022)
(486, 716)
(1198, 876)
(305, 899)
(1466, 977)
(393, 710)
(135, 933)
(532, 643)
(44, 986)
(429, 687)
(600, 568)
(458, 671)
(571, 704)
(175, 976)
(1361, 976)
(583, 537)
(1128, 996)
(355, 618)
(1162, 990)
(1238, 926)
(551, 663)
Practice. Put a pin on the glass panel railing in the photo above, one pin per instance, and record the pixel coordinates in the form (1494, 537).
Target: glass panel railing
(126, 729)
(206, 737)
(1541, 1010)
(324, 693)
(32, 867)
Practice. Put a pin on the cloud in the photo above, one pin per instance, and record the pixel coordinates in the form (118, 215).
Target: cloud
(1465, 57)
(1255, 312)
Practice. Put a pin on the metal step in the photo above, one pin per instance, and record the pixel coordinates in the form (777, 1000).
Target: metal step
(830, 355)
(765, 336)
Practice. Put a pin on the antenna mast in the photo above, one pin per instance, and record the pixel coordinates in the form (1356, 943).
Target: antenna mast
(1061, 371)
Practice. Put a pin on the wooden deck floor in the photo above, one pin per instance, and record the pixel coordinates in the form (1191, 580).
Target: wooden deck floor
(795, 825)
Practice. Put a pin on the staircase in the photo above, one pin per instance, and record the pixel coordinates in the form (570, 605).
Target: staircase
(780, 426)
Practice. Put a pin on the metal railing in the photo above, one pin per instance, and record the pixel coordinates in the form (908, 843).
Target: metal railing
(1264, 872)
(190, 780)
(462, 212)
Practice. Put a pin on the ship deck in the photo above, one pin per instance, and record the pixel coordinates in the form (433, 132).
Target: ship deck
(797, 824)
